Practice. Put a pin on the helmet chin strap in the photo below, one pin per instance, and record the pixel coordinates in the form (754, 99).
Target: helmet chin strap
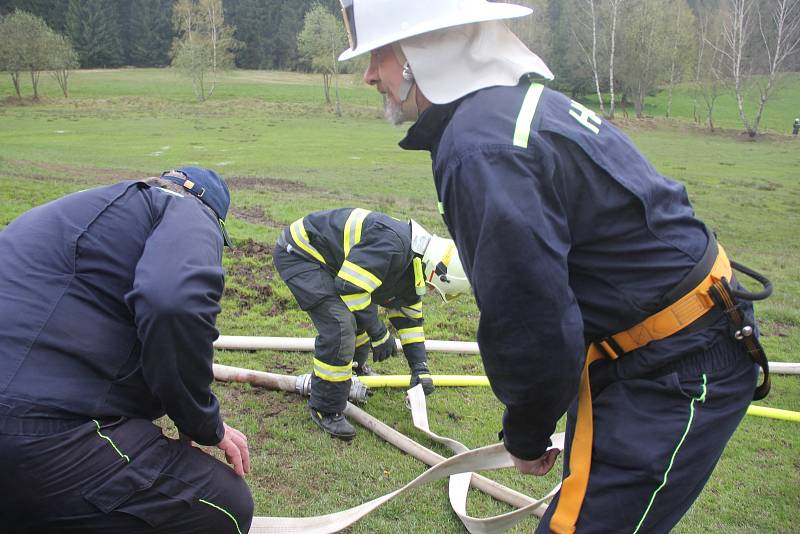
(409, 105)
(407, 84)
(407, 91)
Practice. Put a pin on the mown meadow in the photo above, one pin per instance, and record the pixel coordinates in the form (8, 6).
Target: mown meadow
(284, 154)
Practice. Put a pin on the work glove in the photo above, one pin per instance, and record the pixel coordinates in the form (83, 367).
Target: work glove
(360, 361)
(420, 374)
(383, 347)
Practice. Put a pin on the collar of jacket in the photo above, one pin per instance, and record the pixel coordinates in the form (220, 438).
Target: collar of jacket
(426, 132)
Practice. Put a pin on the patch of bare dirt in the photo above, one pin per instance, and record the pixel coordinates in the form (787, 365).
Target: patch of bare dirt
(251, 249)
(775, 328)
(251, 270)
(255, 215)
(272, 184)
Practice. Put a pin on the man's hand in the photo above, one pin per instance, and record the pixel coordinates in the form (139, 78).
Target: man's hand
(539, 467)
(383, 348)
(234, 443)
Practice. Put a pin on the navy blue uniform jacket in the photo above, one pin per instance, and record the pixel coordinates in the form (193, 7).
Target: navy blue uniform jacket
(567, 234)
(108, 300)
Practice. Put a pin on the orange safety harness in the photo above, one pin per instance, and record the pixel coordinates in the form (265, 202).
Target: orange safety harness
(712, 291)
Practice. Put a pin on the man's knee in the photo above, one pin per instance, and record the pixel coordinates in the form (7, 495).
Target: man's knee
(226, 503)
(336, 327)
(236, 506)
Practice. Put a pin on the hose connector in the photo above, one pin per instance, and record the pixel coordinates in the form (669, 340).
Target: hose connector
(302, 385)
(359, 392)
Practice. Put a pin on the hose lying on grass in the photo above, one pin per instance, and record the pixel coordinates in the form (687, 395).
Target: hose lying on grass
(306, 344)
(400, 381)
(458, 467)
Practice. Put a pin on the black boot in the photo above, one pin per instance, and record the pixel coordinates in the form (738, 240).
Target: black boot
(334, 424)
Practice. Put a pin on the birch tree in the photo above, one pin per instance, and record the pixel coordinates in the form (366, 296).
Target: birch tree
(614, 10)
(709, 80)
(641, 61)
(204, 45)
(780, 36)
(320, 42)
(585, 32)
(63, 59)
(682, 53)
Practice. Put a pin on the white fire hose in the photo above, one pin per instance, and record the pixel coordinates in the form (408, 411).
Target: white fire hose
(459, 468)
(306, 344)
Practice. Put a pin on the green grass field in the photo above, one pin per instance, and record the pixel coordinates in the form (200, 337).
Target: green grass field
(284, 154)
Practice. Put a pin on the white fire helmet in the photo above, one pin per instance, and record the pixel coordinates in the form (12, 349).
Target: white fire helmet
(372, 24)
(450, 47)
(441, 264)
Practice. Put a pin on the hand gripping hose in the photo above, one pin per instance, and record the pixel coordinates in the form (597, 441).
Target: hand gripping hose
(459, 468)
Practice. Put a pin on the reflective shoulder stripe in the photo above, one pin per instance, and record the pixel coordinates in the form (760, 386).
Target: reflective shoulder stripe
(332, 373)
(300, 237)
(358, 276)
(352, 229)
(525, 118)
(362, 339)
(411, 335)
(356, 301)
(381, 340)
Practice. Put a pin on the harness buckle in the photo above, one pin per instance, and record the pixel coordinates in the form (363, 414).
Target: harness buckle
(609, 347)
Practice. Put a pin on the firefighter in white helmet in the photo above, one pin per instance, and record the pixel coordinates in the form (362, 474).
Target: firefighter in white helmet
(577, 251)
(342, 264)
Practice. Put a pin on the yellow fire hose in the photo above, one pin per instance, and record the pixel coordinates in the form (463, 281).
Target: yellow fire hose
(402, 381)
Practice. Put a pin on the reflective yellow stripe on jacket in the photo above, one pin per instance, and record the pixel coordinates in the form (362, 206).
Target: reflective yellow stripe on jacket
(352, 229)
(358, 276)
(362, 339)
(300, 237)
(356, 301)
(381, 340)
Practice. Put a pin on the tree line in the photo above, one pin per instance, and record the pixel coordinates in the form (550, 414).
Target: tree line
(115, 33)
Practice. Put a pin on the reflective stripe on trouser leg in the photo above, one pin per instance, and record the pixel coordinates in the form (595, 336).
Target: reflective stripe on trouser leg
(700, 398)
(224, 511)
(414, 334)
(573, 489)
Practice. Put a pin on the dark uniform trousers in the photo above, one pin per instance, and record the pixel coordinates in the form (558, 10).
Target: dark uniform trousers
(313, 288)
(117, 476)
(649, 472)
